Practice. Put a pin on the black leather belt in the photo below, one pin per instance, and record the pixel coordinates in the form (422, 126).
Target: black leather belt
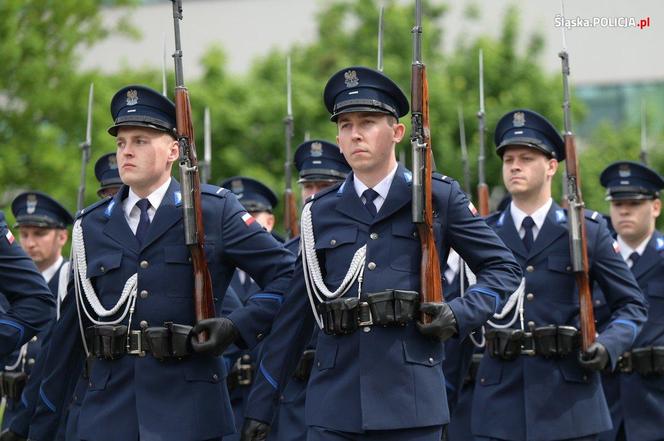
(646, 361)
(385, 308)
(12, 384)
(547, 341)
(110, 342)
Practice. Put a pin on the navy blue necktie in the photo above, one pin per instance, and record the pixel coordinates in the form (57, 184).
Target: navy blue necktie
(528, 224)
(634, 257)
(144, 222)
(369, 195)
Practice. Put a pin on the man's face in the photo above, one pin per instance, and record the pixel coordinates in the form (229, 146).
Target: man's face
(265, 218)
(43, 245)
(310, 188)
(526, 170)
(634, 220)
(145, 157)
(367, 140)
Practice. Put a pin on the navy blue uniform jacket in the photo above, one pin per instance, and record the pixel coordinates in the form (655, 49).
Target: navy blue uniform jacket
(382, 378)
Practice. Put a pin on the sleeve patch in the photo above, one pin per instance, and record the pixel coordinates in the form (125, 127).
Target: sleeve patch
(616, 247)
(248, 219)
(472, 209)
(10, 237)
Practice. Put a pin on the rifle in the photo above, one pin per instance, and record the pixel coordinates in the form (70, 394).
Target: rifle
(482, 187)
(430, 275)
(207, 147)
(464, 151)
(194, 234)
(85, 150)
(576, 223)
(290, 209)
(164, 82)
(643, 155)
(379, 62)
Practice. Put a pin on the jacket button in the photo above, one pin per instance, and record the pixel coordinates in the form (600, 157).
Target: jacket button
(333, 242)
(530, 268)
(568, 268)
(31, 361)
(143, 324)
(102, 268)
(531, 324)
(144, 294)
(215, 377)
(144, 264)
(366, 329)
(318, 364)
(597, 302)
(34, 338)
(259, 336)
(482, 380)
(430, 360)
(373, 236)
(530, 296)
(371, 266)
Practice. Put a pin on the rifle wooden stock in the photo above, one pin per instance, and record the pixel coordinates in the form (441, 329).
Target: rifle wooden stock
(578, 243)
(290, 214)
(483, 199)
(203, 297)
(430, 275)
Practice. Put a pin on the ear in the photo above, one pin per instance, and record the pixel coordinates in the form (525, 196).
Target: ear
(270, 222)
(399, 132)
(656, 208)
(552, 167)
(173, 149)
(62, 236)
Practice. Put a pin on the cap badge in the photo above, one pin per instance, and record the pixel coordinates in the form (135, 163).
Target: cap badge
(32, 203)
(112, 162)
(237, 187)
(316, 149)
(132, 97)
(624, 171)
(519, 119)
(351, 78)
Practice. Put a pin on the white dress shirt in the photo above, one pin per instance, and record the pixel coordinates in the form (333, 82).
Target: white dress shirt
(382, 188)
(626, 250)
(133, 213)
(49, 272)
(539, 216)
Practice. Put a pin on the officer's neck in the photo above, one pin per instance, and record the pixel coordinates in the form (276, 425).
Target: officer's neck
(531, 202)
(373, 177)
(143, 191)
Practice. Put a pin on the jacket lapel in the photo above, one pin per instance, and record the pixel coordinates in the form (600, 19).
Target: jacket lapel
(650, 256)
(508, 233)
(552, 228)
(350, 204)
(398, 196)
(117, 227)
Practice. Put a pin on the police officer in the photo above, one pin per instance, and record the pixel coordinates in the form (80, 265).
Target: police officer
(42, 222)
(132, 293)
(320, 164)
(377, 372)
(106, 171)
(532, 384)
(635, 391)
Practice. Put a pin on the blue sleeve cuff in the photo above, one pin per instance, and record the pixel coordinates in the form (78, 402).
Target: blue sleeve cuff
(46, 401)
(266, 296)
(18, 327)
(270, 379)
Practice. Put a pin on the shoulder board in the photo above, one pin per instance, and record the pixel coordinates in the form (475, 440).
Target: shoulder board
(441, 177)
(213, 190)
(94, 206)
(497, 218)
(594, 216)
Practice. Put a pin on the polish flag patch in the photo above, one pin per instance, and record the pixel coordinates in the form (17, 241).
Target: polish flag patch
(248, 219)
(616, 247)
(472, 208)
(10, 237)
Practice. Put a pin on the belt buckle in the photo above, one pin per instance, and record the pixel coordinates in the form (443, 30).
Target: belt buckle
(139, 343)
(364, 311)
(528, 345)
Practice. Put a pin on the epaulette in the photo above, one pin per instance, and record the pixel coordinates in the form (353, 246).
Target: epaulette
(92, 207)
(594, 216)
(497, 217)
(213, 190)
(441, 177)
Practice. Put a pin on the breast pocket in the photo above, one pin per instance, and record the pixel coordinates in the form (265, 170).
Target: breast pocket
(105, 264)
(337, 246)
(562, 281)
(405, 248)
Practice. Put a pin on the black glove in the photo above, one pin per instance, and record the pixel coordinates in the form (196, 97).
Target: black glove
(221, 333)
(8, 435)
(595, 358)
(443, 324)
(254, 430)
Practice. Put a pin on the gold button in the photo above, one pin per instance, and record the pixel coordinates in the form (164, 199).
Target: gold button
(333, 242)
(371, 266)
(373, 236)
(144, 294)
(144, 264)
(143, 324)
(530, 268)
(530, 296)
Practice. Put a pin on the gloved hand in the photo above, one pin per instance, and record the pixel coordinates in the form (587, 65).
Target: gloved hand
(595, 358)
(221, 333)
(8, 435)
(443, 324)
(254, 430)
